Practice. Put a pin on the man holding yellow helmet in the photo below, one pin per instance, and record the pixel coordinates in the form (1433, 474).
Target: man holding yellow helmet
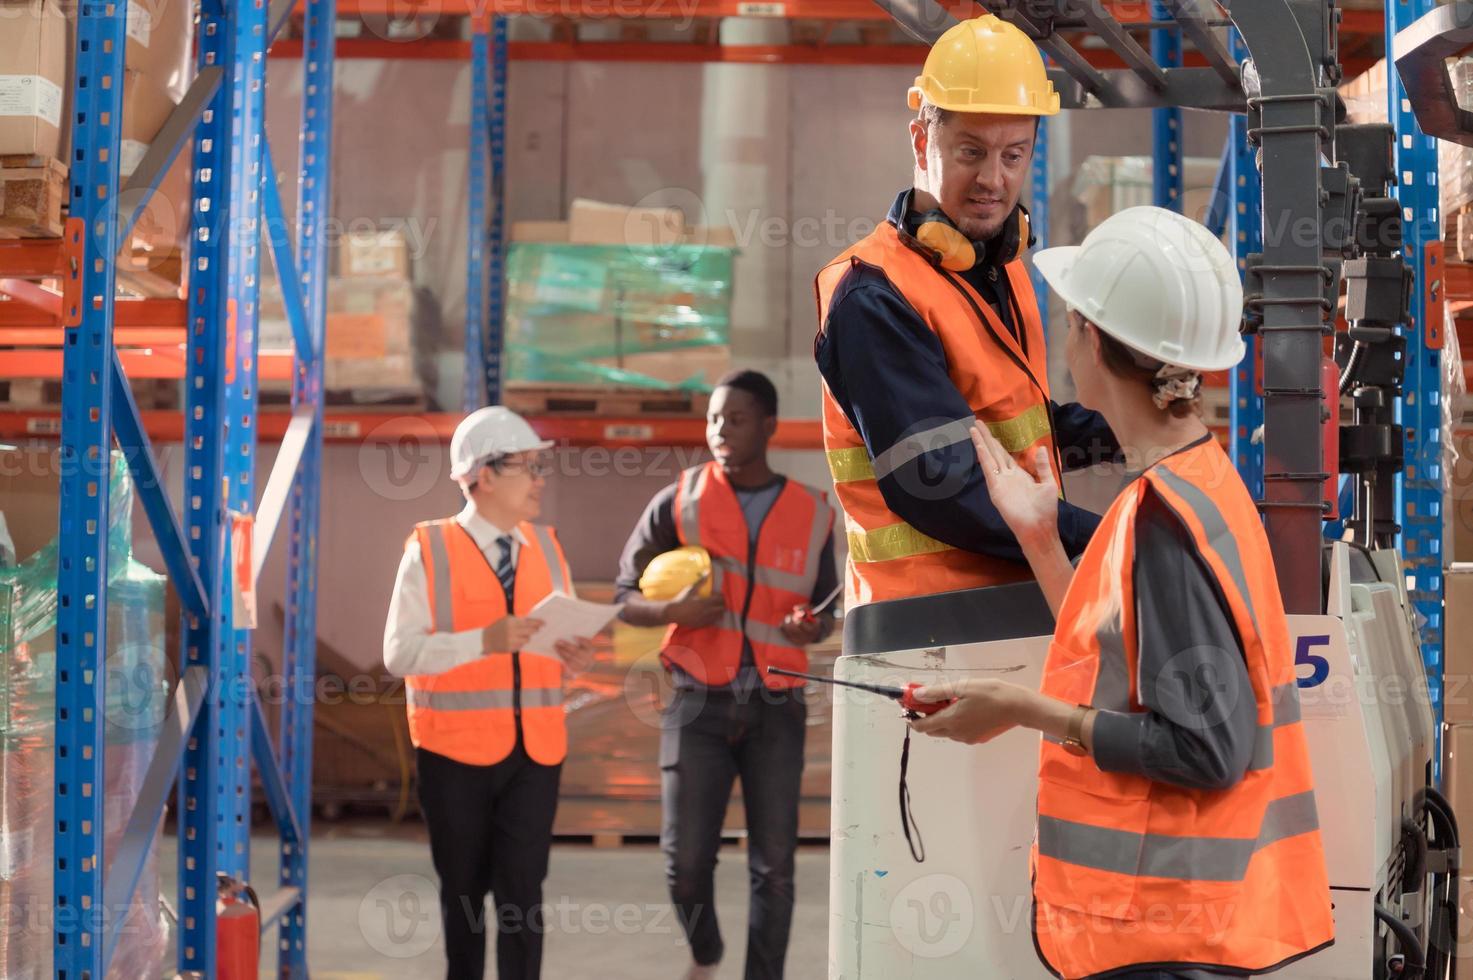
(723, 556)
(930, 324)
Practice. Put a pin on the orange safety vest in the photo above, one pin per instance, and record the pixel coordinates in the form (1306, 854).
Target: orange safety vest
(1130, 871)
(472, 713)
(1005, 386)
(784, 567)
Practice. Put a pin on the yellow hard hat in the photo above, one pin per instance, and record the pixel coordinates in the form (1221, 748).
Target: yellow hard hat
(669, 574)
(985, 65)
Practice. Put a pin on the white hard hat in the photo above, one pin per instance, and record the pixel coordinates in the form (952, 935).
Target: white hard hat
(1156, 281)
(487, 433)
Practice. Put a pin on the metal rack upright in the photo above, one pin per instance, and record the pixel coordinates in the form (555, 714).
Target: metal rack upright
(215, 726)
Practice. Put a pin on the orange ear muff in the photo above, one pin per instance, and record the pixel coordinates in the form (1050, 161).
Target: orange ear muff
(954, 251)
(1025, 234)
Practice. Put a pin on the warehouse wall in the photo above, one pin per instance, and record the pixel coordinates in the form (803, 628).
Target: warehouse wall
(799, 161)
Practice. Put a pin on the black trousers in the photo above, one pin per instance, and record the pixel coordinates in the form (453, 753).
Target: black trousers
(708, 740)
(490, 831)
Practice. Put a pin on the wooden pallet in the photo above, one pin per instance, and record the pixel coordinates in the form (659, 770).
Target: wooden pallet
(33, 192)
(28, 394)
(604, 402)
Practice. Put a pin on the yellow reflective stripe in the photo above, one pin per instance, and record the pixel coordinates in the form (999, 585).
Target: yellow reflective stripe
(894, 541)
(1016, 434)
(1021, 431)
(848, 465)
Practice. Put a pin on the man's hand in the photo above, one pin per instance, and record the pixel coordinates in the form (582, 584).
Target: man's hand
(576, 654)
(509, 634)
(693, 611)
(802, 627)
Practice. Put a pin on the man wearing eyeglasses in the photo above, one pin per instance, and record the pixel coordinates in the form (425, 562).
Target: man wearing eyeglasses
(485, 716)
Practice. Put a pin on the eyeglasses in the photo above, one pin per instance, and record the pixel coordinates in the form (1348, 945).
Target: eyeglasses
(537, 468)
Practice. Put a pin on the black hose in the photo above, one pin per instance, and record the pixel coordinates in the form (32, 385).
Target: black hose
(1438, 803)
(1407, 943)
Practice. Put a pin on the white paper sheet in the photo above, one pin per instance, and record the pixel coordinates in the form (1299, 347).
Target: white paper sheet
(566, 618)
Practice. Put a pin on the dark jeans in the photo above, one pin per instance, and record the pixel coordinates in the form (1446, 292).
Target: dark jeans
(707, 740)
(490, 831)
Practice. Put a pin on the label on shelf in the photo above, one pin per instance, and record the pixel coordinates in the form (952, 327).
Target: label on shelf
(747, 9)
(30, 95)
(341, 429)
(629, 432)
(49, 425)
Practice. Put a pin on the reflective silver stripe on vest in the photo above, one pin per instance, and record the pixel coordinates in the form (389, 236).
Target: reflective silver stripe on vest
(1286, 712)
(1218, 536)
(771, 635)
(909, 447)
(550, 555)
(542, 697)
(689, 517)
(439, 559)
(1162, 856)
(532, 697)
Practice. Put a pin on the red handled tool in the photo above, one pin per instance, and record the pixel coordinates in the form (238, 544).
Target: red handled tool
(809, 614)
(905, 695)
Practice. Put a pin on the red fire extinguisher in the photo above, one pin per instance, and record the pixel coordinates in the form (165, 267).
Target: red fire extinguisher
(237, 931)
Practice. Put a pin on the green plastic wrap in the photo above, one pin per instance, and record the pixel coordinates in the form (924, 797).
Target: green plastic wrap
(575, 312)
(135, 695)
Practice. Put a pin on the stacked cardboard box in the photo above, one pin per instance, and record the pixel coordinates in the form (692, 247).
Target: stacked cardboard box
(37, 42)
(618, 298)
(1457, 735)
(369, 338)
(1105, 185)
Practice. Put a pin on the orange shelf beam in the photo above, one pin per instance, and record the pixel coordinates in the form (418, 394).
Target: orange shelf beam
(157, 362)
(30, 258)
(354, 427)
(154, 313)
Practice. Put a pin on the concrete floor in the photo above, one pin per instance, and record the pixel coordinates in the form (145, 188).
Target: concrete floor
(372, 910)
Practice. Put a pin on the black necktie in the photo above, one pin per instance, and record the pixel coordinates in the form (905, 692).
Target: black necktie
(504, 568)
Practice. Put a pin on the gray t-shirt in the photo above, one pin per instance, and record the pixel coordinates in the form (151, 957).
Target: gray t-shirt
(1200, 717)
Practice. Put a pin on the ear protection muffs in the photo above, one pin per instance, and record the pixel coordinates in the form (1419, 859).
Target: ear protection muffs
(955, 252)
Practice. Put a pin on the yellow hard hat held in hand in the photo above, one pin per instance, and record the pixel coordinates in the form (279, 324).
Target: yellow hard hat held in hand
(985, 65)
(671, 573)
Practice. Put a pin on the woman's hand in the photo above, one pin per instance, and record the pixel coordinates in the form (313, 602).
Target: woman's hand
(1029, 504)
(983, 709)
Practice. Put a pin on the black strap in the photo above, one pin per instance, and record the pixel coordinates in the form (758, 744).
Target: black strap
(907, 819)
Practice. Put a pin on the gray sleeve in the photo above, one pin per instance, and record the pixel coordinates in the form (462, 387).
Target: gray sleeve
(1200, 718)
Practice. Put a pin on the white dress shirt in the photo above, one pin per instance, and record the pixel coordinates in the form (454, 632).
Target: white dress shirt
(410, 646)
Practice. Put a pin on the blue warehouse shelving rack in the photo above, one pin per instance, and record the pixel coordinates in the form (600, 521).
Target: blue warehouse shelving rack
(215, 727)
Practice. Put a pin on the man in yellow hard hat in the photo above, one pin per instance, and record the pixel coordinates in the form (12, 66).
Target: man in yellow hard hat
(930, 323)
(770, 542)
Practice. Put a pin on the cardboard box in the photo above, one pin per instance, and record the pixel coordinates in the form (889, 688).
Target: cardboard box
(146, 107)
(1457, 639)
(164, 224)
(1107, 185)
(31, 197)
(1457, 786)
(33, 77)
(1460, 500)
(596, 223)
(539, 231)
(160, 40)
(678, 368)
(377, 253)
(392, 371)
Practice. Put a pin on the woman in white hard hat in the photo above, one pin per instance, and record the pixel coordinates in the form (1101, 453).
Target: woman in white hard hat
(485, 716)
(1175, 798)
